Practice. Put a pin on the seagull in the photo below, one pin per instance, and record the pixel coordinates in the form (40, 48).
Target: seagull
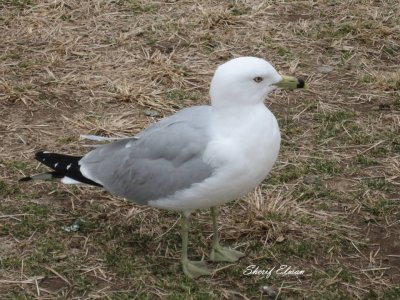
(200, 157)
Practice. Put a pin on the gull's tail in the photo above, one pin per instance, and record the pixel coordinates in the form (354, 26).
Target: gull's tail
(65, 167)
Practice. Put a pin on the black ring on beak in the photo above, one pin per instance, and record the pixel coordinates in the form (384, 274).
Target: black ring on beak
(300, 83)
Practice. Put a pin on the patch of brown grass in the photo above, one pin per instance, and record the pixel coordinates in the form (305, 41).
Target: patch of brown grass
(330, 206)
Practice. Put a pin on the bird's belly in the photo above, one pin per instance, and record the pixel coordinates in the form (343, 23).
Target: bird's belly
(243, 176)
(246, 165)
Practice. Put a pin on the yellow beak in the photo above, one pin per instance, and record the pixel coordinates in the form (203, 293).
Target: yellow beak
(290, 83)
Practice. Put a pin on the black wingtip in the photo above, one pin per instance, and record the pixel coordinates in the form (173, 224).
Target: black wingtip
(63, 166)
(39, 155)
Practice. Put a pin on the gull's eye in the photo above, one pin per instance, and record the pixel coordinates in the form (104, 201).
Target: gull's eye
(258, 79)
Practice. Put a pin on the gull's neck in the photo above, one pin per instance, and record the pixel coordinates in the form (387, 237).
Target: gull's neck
(224, 102)
(235, 107)
(233, 119)
(236, 111)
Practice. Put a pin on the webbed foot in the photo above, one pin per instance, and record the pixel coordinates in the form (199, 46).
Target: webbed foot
(219, 253)
(195, 269)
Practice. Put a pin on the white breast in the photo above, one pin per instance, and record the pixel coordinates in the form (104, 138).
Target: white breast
(242, 151)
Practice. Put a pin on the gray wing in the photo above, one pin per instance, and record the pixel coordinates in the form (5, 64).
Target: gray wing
(161, 160)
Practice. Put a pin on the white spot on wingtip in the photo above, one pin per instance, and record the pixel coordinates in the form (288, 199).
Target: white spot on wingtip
(56, 164)
(45, 152)
(68, 180)
(69, 166)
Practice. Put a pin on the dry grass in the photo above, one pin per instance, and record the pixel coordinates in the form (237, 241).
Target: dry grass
(330, 206)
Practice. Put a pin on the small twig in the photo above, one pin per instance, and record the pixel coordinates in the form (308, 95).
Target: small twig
(31, 280)
(14, 216)
(59, 275)
(375, 269)
(169, 229)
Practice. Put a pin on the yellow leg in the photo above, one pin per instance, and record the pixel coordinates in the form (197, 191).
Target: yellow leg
(219, 253)
(192, 269)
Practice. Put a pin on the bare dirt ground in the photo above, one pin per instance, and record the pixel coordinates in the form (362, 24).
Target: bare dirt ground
(330, 207)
